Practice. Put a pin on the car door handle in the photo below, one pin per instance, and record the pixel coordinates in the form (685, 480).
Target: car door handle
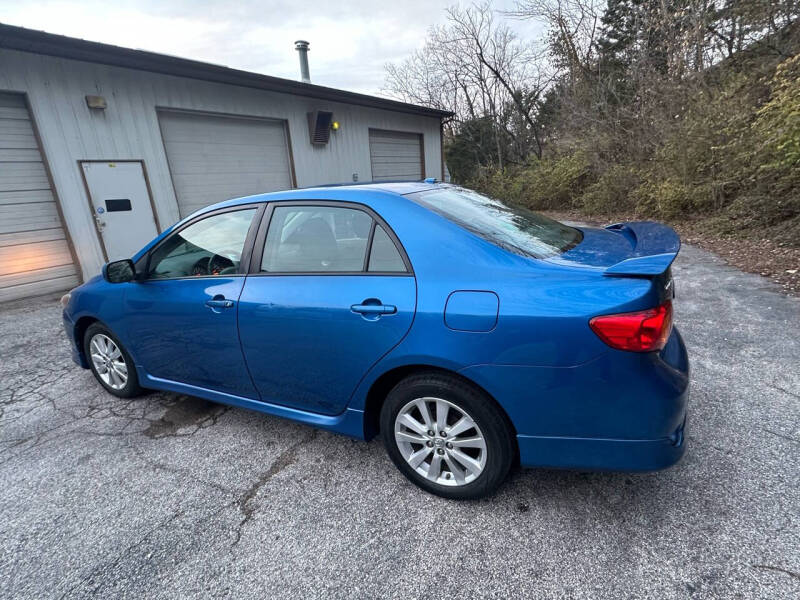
(374, 309)
(219, 303)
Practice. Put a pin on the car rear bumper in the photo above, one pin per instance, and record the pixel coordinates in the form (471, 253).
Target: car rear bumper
(621, 411)
(593, 454)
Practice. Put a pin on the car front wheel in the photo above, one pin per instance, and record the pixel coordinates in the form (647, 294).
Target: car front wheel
(447, 436)
(110, 362)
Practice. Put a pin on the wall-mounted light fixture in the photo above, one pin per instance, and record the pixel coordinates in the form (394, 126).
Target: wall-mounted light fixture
(98, 102)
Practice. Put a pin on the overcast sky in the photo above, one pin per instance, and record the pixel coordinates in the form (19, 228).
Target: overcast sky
(351, 41)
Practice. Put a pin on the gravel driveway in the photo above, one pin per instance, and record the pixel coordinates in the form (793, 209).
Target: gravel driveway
(169, 496)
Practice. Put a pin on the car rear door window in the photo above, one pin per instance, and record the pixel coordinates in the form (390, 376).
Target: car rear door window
(316, 239)
(207, 248)
(384, 257)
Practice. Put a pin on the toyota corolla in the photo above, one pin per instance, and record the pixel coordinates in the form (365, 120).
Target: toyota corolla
(468, 333)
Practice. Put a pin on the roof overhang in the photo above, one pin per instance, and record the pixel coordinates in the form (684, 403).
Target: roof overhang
(40, 42)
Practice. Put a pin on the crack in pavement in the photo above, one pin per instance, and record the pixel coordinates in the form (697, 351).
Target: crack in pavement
(783, 390)
(184, 417)
(283, 460)
(112, 564)
(778, 569)
(781, 435)
(179, 471)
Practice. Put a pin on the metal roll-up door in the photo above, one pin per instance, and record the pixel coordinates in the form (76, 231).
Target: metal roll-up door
(34, 253)
(395, 155)
(213, 158)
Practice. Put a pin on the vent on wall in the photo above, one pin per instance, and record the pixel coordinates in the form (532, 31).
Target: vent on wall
(319, 126)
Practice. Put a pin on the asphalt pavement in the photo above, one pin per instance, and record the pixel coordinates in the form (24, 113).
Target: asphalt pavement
(169, 496)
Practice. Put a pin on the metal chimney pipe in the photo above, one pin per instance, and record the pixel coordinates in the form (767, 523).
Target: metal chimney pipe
(302, 47)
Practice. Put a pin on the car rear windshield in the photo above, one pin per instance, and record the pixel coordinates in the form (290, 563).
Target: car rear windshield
(511, 227)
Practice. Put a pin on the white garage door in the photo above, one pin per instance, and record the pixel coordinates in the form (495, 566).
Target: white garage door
(395, 155)
(34, 255)
(214, 158)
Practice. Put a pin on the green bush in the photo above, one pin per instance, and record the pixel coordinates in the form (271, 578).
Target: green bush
(554, 183)
(777, 125)
(611, 193)
(668, 198)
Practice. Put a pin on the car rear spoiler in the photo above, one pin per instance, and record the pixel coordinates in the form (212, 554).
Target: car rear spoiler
(655, 246)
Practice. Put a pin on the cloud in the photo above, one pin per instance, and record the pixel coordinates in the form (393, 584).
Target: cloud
(350, 42)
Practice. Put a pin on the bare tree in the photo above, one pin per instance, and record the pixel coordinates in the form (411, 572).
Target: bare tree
(477, 68)
(573, 26)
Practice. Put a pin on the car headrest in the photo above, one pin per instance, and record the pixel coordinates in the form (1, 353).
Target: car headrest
(316, 241)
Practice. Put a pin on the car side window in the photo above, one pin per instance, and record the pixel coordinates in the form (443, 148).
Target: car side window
(384, 257)
(316, 239)
(211, 247)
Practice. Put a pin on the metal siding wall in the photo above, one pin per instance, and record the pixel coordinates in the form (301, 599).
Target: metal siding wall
(128, 129)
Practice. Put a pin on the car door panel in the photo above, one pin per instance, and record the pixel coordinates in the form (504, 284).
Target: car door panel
(179, 337)
(181, 310)
(305, 345)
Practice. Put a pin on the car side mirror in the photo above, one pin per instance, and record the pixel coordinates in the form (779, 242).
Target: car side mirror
(119, 271)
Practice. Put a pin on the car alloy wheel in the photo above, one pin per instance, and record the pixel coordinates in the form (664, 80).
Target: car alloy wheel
(108, 361)
(440, 441)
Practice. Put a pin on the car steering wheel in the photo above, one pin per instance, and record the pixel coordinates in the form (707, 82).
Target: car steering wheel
(222, 261)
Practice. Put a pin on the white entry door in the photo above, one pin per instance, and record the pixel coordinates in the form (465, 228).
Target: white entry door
(121, 206)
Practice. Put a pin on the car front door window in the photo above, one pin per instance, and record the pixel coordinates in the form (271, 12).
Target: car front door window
(207, 248)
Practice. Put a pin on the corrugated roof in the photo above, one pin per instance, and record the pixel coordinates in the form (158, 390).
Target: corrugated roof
(40, 42)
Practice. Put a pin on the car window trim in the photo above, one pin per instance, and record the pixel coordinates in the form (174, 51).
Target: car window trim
(266, 219)
(368, 253)
(246, 250)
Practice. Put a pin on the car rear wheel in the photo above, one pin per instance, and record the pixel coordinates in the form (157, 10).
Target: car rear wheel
(110, 362)
(447, 436)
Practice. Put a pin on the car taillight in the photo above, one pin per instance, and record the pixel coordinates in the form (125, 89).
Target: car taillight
(640, 331)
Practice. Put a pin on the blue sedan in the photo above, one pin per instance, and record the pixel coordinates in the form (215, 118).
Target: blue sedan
(468, 333)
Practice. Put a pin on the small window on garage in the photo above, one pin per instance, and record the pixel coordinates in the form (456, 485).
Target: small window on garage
(384, 257)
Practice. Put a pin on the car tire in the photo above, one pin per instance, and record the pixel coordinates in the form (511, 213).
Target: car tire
(110, 363)
(474, 455)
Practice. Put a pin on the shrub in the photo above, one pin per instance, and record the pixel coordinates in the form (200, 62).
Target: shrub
(611, 193)
(669, 198)
(554, 183)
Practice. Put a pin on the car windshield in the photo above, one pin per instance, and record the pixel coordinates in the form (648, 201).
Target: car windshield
(511, 227)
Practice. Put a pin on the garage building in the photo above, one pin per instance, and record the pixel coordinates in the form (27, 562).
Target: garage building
(102, 147)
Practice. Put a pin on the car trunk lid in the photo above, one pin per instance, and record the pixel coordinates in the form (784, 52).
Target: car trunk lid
(634, 249)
